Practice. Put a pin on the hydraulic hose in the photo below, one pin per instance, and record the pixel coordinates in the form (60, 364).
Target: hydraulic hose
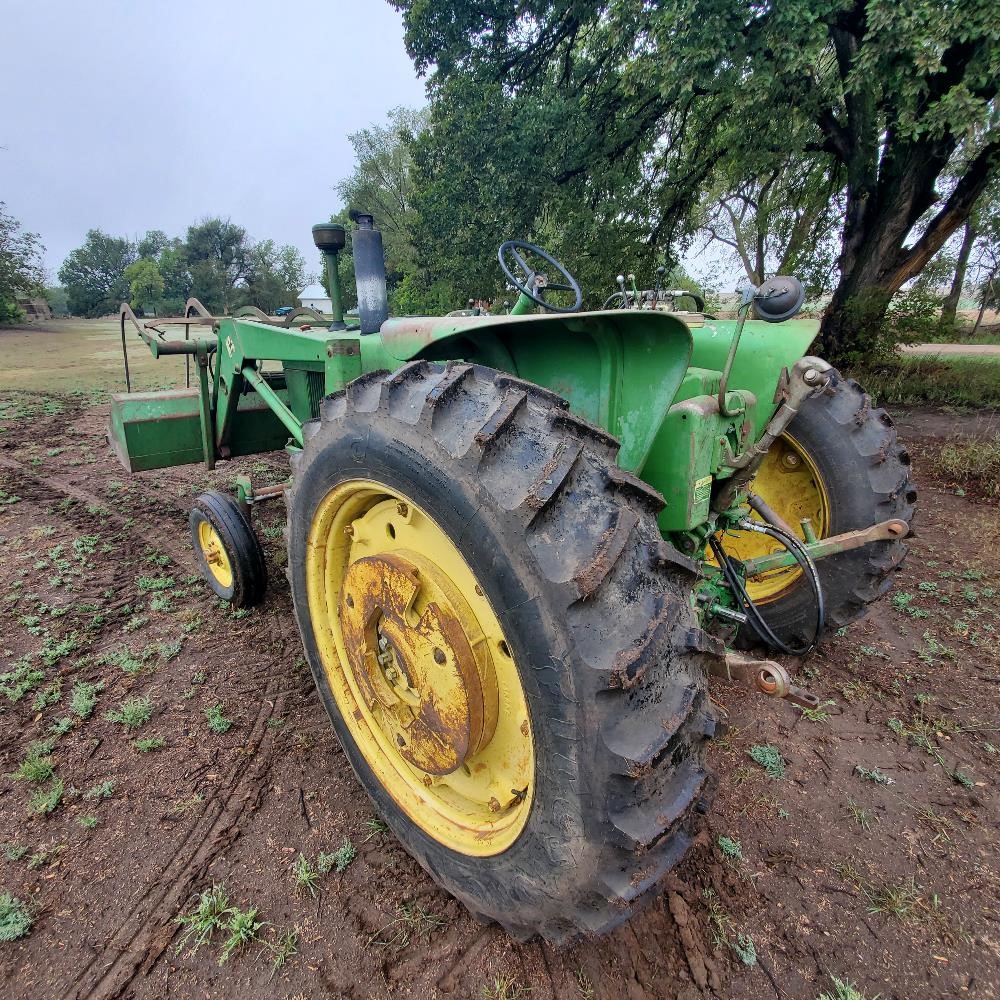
(754, 617)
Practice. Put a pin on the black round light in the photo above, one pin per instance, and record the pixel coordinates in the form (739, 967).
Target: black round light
(329, 236)
(778, 299)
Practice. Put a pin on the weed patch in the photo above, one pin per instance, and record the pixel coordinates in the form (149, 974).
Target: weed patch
(217, 720)
(769, 758)
(15, 920)
(132, 713)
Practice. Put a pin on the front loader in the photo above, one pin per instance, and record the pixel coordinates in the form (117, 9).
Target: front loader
(519, 545)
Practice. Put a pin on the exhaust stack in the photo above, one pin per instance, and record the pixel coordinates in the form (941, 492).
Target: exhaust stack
(369, 272)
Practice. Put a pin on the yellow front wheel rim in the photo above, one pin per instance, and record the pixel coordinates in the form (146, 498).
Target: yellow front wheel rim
(214, 552)
(422, 674)
(790, 483)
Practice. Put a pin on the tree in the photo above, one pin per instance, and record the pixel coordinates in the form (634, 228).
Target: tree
(382, 184)
(275, 276)
(784, 222)
(491, 168)
(21, 272)
(152, 244)
(890, 94)
(173, 266)
(145, 283)
(94, 274)
(218, 255)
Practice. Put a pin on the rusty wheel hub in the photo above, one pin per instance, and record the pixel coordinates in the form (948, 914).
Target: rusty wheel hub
(419, 666)
(439, 699)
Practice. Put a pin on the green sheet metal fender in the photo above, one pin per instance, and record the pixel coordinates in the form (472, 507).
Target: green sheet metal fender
(765, 349)
(619, 370)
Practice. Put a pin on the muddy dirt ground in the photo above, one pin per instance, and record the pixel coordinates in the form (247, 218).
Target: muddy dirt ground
(870, 855)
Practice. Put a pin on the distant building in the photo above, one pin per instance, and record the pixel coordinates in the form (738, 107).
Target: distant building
(315, 297)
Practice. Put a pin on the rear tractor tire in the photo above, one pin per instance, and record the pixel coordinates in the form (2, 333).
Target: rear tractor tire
(841, 465)
(504, 643)
(228, 550)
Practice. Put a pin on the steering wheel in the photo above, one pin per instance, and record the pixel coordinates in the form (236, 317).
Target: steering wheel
(535, 283)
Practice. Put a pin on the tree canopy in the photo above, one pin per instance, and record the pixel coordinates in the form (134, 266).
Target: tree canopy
(94, 274)
(215, 262)
(21, 272)
(675, 99)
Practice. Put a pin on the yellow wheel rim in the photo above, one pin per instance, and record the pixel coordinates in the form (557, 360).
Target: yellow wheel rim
(216, 557)
(420, 669)
(789, 482)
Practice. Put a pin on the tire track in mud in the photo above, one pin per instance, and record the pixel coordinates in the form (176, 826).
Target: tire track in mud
(180, 553)
(138, 944)
(135, 946)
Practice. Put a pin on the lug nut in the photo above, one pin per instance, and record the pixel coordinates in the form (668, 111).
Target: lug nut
(349, 530)
(790, 460)
(439, 656)
(402, 509)
(494, 805)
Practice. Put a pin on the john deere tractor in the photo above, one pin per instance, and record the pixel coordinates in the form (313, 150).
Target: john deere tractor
(519, 545)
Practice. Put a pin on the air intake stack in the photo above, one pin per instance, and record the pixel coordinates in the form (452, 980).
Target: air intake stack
(369, 272)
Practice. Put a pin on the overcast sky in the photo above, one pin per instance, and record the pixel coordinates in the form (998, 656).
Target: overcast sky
(128, 115)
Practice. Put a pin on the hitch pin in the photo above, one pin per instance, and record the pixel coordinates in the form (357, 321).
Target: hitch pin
(765, 676)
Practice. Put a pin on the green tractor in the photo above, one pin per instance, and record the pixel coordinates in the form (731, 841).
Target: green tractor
(519, 545)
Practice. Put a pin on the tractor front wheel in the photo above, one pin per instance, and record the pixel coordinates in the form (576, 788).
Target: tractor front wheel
(503, 642)
(228, 550)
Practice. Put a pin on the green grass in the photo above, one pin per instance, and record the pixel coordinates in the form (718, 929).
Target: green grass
(148, 743)
(874, 775)
(84, 698)
(15, 920)
(338, 860)
(102, 791)
(819, 713)
(217, 720)
(35, 767)
(305, 876)
(505, 986)
(88, 822)
(899, 899)
(61, 726)
(243, 927)
(769, 758)
(132, 713)
(286, 947)
(925, 380)
(45, 801)
(17, 682)
(209, 915)
(411, 920)
(14, 852)
(731, 849)
(863, 817)
(375, 827)
(972, 464)
(843, 990)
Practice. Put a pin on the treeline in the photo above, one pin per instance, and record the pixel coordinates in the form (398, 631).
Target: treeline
(216, 262)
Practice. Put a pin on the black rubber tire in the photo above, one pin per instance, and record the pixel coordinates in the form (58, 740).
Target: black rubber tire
(866, 474)
(246, 555)
(566, 543)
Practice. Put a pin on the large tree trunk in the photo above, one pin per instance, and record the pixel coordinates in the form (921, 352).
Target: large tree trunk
(949, 308)
(875, 262)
